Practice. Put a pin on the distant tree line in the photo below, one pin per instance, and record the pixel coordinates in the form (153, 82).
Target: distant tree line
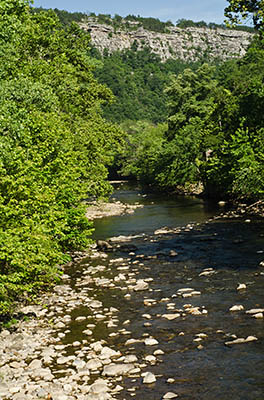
(149, 23)
(188, 23)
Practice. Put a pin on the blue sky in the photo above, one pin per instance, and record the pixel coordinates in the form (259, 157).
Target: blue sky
(197, 10)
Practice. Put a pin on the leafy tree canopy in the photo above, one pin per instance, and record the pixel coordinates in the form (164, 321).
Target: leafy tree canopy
(54, 146)
(239, 10)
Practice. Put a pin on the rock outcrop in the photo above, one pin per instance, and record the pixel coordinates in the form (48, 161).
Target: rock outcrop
(189, 44)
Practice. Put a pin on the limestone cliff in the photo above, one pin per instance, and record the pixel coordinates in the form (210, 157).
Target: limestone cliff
(188, 44)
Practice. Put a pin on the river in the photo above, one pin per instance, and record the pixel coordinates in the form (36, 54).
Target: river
(208, 258)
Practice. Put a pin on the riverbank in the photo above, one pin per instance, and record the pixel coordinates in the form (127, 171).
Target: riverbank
(35, 361)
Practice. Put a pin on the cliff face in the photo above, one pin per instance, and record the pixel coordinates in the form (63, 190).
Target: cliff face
(189, 44)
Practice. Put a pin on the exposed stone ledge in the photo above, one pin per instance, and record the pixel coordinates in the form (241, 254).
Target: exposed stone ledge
(187, 44)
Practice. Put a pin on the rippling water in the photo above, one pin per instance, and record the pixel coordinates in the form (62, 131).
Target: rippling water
(206, 369)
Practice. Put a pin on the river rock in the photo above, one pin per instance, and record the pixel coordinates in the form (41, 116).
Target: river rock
(79, 364)
(184, 290)
(194, 311)
(147, 316)
(117, 369)
(99, 387)
(207, 272)
(151, 359)
(170, 395)
(35, 364)
(96, 304)
(242, 340)
(130, 358)
(141, 285)
(255, 311)
(150, 342)
(107, 352)
(93, 364)
(88, 332)
(237, 307)
(258, 315)
(158, 352)
(241, 286)
(171, 317)
(149, 378)
(80, 319)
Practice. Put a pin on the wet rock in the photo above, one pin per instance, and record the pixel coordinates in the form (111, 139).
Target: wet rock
(141, 285)
(130, 358)
(241, 286)
(184, 291)
(80, 319)
(96, 304)
(117, 369)
(255, 311)
(158, 352)
(207, 272)
(148, 377)
(171, 317)
(258, 315)
(151, 342)
(147, 316)
(107, 352)
(151, 359)
(237, 307)
(194, 310)
(242, 340)
(149, 302)
(88, 332)
(170, 395)
(131, 341)
(201, 335)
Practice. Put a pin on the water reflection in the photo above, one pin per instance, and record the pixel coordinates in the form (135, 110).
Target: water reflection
(158, 211)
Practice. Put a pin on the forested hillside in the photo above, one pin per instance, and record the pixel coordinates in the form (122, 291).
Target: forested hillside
(138, 78)
(215, 133)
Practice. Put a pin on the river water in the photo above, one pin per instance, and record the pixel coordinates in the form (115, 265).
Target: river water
(196, 362)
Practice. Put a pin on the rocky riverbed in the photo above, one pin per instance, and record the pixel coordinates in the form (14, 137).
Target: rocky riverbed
(178, 313)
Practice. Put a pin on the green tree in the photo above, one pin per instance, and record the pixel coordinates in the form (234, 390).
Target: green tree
(139, 158)
(242, 9)
(54, 147)
(191, 128)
